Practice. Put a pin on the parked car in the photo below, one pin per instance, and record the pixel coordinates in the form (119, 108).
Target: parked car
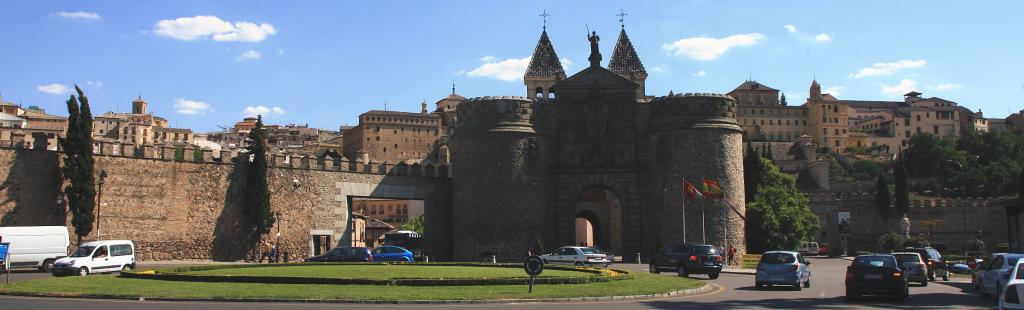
(936, 265)
(392, 254)
(996, 273)
(809, 248)
(344, 254)
(688, 259)
(876, 274)
(98, 257)
(36, 246)
(1010, 299)
(823, 250)
(577, 256)
(914, 267)
(607, 254)
(783, 268)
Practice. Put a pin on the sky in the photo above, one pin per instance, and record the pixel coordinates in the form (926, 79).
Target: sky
(205, 64)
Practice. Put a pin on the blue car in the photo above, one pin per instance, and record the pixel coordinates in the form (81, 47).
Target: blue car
(783, 268)
(392, 254)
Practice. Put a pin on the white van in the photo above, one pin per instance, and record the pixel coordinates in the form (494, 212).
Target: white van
(98, 257)
(809, 248)
(36, 246)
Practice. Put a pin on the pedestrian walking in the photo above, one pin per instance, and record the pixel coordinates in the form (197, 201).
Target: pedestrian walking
(732, 255)
(269, 251)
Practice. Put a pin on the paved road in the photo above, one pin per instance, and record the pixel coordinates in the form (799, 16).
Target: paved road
(731, 292)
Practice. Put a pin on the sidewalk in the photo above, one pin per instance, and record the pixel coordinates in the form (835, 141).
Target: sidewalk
(737, 270)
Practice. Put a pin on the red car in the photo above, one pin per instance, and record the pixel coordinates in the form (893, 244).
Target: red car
(823, 250)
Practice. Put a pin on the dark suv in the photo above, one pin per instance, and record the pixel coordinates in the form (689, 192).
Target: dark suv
(344, 254)
(936, 265)
(688, 259)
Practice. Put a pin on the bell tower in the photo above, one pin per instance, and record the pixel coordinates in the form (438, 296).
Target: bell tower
(139, 106)
(545, 69)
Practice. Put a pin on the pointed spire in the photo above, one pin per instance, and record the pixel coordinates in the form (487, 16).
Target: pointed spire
(423, 107)
(544, 62)
(624, 61)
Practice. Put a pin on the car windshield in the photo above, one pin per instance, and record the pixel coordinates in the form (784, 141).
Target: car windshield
(874, 261)
(907, 258)
(590, 251)
(778, 258)
(1012, 260)
(704, 249)
(1020, 272)
(83, 251)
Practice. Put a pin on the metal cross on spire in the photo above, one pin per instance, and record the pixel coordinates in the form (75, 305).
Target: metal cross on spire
(622, 18)
(544, 16)
(453, 86)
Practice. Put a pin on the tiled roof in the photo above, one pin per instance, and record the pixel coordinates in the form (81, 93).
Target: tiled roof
(781, 150)
(754, 85)
(873, 104)
(624, 61)
(544, 62)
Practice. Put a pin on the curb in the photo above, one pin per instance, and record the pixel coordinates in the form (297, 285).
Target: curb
(693, 291)
(741, 272)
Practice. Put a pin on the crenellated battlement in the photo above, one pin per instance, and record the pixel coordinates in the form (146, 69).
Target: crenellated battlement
(189, 153)
(677, 111)
(496, 114)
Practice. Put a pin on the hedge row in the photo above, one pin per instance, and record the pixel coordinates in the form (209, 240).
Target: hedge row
(179, 274)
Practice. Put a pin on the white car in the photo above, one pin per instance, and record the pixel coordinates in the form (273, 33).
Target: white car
(577, 256)
(996, 273)
(1011, 297)
(98, 257)
(810, 248)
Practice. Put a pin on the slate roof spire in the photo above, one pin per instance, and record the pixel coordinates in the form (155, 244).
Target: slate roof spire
(544, 62)
(624, 61)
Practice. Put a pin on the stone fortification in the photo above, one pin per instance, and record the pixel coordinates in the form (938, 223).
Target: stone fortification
(193, 209)
(693, 137)
(498, 189)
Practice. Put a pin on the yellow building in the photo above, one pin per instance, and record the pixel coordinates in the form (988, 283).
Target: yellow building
(138, 127)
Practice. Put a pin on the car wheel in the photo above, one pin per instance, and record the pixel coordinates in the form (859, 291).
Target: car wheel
(759, 286)
(682, 272)
(83, 271)
(652, 268)
(47, 266)
(579, 264)
(852, 295)
(799, 287)
(945, 277)
(713, 276)
(924, 283)
(807, 284)
(126, 268)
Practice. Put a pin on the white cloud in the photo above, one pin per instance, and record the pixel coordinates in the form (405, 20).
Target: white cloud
(700, 73)
(822, 37)
(888, 68)
(659, 69)
(262, 110)
(208, 26)
(707, 48)
(248, 55)
(191, 107)
(511, 69)
(789, 28)
(488, 59)
(832, 90)
(55, 88)
(947, 86)
(905, 86)
(95, 84)
(78, 15)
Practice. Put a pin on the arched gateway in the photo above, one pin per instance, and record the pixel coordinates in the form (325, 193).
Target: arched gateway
(599, 219)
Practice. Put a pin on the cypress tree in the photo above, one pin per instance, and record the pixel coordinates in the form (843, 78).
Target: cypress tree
(901, 191)
(882, 198)
(1020, 185)
(752, 170)
(783, 100)
(258, 193)
(79, 164)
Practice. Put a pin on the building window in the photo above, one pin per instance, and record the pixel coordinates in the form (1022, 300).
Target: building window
(935, 129)
(919, 118)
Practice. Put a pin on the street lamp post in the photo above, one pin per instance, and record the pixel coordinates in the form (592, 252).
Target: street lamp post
(99, 201)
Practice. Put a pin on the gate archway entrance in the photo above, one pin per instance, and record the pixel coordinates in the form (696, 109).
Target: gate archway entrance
(598, 219)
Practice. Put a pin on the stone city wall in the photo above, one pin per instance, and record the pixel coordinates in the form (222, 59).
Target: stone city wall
(193, 209)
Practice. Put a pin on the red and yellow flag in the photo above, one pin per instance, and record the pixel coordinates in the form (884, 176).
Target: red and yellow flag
(712, 189)
(690, 191)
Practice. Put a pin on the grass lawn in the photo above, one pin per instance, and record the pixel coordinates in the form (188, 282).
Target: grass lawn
(382, 272)
(113, 286)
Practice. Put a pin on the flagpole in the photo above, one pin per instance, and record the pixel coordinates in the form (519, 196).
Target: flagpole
(684, 209)
(703, 236)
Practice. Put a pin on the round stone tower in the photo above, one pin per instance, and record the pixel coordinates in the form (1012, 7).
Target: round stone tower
(497, 185)
(696, 137)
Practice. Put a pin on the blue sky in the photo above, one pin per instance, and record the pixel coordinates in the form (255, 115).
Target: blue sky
(203, 63)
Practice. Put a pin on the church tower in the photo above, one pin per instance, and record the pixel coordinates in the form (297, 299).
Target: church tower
(545, 69)
(815, 90)
(139, 106)
(625, 62)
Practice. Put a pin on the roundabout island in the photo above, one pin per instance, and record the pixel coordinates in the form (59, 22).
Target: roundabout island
(363, 283)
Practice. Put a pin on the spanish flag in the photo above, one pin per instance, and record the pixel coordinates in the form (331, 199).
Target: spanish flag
(690, 191)
(712, 189)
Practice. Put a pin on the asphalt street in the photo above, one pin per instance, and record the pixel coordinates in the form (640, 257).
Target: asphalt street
(730, 291)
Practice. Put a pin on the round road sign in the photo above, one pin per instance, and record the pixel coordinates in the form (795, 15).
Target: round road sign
(534, 265)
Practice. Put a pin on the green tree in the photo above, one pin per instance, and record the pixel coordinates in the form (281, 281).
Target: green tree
(779, 216)
(782, 100)
(257, 190)
(1020, 185)
(414, 224)
(901, 192)
(751, 172)
(882, 197)
(79, 165)
(890, 242)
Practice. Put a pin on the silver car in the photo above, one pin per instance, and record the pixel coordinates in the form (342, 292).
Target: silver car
(783, 268)
(913, 266)
(578, 256)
